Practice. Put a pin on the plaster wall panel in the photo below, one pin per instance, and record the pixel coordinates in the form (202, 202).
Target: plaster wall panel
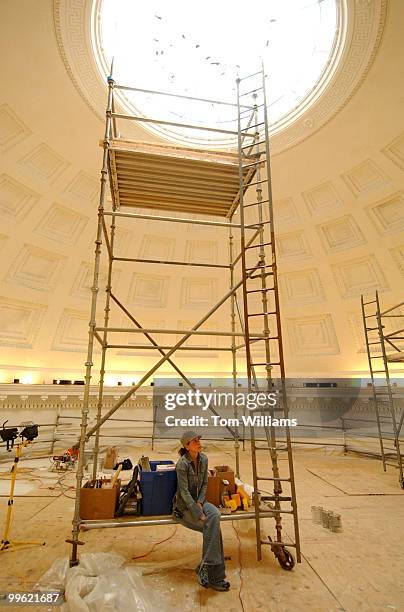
(122, 242)
(62, 225)
(16, 200)
(360, 275)
(301, 287)
(12, 129)
(201, 251)
(398, 255)
(200, 229)
(293, 245)
(356, 327)
(322, 199)
(203, 341)
(340, 234)
(20, 322)
(198, 293)
(72, 332)
(44, 163)
(395, 151)
(149, 290)
(388, 215)
(36, 268)
(312, 336)
(157, 247)
(84, 187)
(134, 339)
(364, 177)
(84, 279)
(161, 339)
(285, 212)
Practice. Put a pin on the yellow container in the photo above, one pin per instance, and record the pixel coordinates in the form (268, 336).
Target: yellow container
(243, 495)
(237, 499)
(231, 504)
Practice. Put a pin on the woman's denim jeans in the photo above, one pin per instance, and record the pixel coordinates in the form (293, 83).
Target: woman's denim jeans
(212, 552)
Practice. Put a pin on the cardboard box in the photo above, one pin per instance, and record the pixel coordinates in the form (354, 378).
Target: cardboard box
(111, 457)
(226, 473)
(216, 486)
(98, 503)
(214, 490)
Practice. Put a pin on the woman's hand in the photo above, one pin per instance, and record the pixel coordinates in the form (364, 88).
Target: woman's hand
(203, 516)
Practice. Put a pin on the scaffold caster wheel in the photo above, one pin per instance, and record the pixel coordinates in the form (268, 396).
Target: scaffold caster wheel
(285, 558)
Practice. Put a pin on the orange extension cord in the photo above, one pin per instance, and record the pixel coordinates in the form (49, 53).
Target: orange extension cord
(156, 544)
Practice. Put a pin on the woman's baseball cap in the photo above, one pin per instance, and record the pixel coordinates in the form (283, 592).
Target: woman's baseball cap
(188, 436)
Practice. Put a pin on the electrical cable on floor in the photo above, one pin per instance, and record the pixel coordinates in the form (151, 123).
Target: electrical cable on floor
(64, 487)
(156, 543)
(240, 566)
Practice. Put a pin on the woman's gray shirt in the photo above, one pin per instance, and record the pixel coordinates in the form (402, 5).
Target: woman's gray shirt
(191, 485)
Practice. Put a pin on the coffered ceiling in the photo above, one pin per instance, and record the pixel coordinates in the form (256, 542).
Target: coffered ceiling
(338, 198)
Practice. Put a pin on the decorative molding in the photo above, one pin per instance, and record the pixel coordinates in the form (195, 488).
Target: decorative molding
(388, 215)
(61, 224)
(16, 200)
(340, 234)
(83, 281)
(322, 199)
(302, 287)
(157, 247)
(140, 339)
(149, 290)
(285, 212)
(198, 293)
(201, 251)
(398, 255)
(360, 31)
(364, 177)
(20, 322)
(360, 275)
(44, 163)
(395, 151)
(366, 23)
(122, 241)
(312, 336)
(36, 268)
(199, 229)
(356, 327)
(12, 129)
(293, 245)
(72, 332)
(84, 187)
(202, 341)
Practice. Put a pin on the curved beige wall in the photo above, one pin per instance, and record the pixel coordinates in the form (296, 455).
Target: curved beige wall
(339, 215)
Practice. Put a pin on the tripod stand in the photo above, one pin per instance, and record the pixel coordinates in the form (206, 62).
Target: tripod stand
(5, 542)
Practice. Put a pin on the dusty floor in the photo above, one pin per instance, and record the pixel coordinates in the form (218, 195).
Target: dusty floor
(359, 569)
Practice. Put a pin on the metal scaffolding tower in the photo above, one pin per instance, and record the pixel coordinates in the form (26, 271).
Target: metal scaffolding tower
(200, 182)
(382, 347)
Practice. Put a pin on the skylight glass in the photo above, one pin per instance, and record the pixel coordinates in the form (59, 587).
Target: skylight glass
(199, 48)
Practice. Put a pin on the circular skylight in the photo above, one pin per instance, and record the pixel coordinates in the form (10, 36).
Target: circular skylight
(198, 49)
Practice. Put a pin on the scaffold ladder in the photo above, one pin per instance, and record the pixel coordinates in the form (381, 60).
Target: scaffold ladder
(376, 338)
(260, 278)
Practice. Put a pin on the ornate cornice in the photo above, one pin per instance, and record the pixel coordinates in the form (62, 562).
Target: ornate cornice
(361, 27)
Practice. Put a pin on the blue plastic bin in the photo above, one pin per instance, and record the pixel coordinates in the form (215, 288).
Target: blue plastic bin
(158, 490)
